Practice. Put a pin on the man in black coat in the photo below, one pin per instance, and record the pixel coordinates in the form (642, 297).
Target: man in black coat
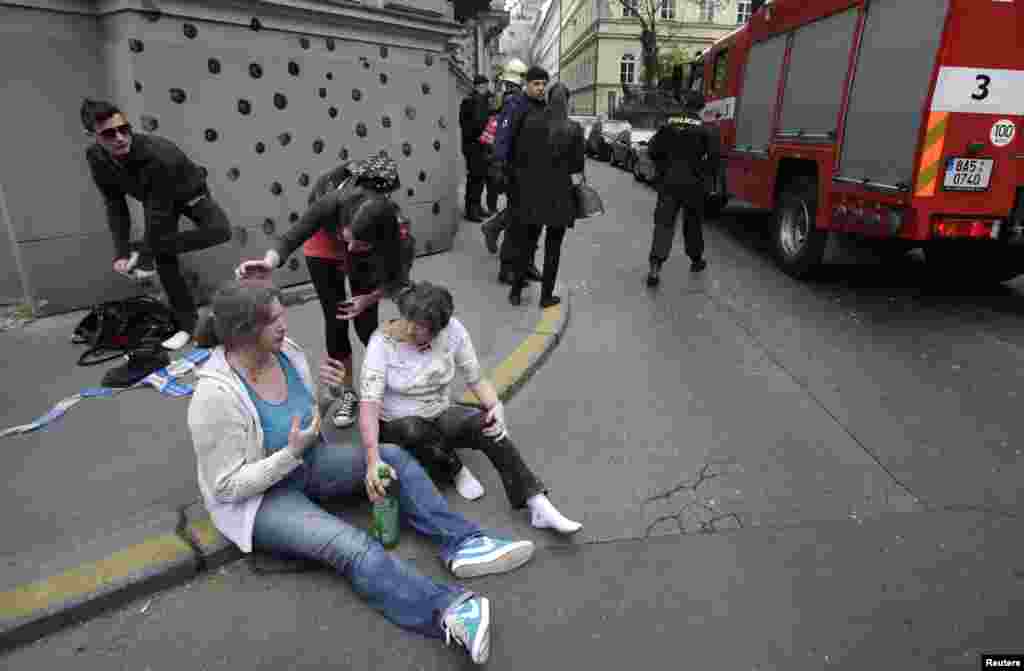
(473, 113)
(685, 153)
(521, 236)
(154, 171)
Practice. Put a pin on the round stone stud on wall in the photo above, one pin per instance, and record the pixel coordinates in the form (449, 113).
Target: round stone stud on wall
(437, 208)
(410, 192)
(304, 42)
(276, 188)
(268, 227)
(329, 76)
(190, 31)
(361, 129)
(343, 153)
(260, 147)
(318, 146)
(383, 78)
(293, 217)
(210, 134)
(255, 70)
(244, 106)
(357, 95)
(280, 101)
(442, 123)
(149, 123)
(322, 92)
(330, 43)
(233, 174)
(293, 68)
(178, 96)
(332, 112)
(406, 149)
(410, 112)
(385, 121)
(138, 86)
(285, 139)
(425, 87)
(136, 46)
(423, 176)
(255, 24)
(303, 179)
(437, 145)
(428, 59)
(213, 65)
(383, 51)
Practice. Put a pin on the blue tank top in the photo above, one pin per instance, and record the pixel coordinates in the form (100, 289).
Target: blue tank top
(276, 418)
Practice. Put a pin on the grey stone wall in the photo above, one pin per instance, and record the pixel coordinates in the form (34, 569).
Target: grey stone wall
(264, 106)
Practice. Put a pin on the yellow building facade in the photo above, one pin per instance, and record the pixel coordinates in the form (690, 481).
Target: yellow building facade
(600, 43)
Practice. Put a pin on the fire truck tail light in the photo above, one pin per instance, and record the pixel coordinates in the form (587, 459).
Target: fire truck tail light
(967, 228)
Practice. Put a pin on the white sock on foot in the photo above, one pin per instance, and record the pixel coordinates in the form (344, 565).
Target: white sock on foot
(467, 485)
(544, 515)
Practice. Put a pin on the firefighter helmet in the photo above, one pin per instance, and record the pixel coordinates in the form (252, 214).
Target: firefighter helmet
(513, 72)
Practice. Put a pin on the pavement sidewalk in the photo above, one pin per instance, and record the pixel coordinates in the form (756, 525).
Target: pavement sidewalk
(102, 505)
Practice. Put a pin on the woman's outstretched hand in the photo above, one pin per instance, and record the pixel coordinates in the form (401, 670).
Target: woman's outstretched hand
(259, 269)
(300, 440)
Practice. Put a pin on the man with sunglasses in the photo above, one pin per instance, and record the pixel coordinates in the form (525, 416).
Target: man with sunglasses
(154, 171)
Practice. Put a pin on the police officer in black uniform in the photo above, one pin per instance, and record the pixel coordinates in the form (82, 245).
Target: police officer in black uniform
(686, 154)
(473, 113)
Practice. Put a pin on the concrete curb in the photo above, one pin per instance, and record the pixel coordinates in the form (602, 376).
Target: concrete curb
(32, 611)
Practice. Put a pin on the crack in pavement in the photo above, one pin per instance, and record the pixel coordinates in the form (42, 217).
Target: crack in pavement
(701, 505)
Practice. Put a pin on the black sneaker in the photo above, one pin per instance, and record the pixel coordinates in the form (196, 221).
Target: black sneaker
(139, 364)
(698, 265)
(654, 276)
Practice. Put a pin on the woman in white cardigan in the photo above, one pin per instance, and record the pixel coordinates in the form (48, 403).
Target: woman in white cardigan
(263, 467)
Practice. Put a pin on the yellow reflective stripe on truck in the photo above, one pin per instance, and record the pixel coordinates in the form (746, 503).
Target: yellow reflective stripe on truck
(931, 155)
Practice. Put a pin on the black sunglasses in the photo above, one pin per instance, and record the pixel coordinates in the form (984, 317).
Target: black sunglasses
(111, 133)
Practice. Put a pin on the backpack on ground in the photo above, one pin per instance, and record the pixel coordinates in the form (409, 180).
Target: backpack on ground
(115, 327)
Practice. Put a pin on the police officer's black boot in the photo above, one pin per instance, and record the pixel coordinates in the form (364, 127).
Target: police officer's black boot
(697, 265)
(654, 274)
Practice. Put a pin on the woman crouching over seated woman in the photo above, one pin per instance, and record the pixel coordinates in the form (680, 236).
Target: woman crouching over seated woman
(264, 468)
(405, 399)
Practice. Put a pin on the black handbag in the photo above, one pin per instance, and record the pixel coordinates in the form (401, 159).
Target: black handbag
(588, 201)
(115, 327)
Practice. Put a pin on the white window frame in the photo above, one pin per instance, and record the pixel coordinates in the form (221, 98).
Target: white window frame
(667, 9)
(743, 12)
(627, 64)
(707, 11)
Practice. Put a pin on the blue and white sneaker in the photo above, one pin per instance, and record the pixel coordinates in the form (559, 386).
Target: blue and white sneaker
(470, 626)
(484, 555)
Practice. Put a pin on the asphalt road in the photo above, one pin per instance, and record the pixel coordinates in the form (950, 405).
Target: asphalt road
(771, 474)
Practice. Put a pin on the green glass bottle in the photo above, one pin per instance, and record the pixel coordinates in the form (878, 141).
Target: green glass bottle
(385, 511)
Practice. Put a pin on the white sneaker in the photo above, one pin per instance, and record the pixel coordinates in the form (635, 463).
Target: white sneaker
(345, 414)
(177, 341)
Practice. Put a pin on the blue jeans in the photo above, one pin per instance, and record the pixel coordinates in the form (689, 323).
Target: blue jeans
(290, 523)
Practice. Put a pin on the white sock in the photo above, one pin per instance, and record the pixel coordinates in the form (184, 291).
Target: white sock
(544, 515)
(467, 485)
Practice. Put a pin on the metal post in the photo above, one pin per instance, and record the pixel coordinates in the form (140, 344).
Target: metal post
(26, 287)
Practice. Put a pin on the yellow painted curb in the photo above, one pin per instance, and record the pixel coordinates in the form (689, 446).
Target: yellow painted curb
(508, 372)
(92, 577)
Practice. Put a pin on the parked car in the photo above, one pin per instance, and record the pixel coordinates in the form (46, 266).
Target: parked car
(625, 145)
(644, 169)
(585, 121)
(602, 133)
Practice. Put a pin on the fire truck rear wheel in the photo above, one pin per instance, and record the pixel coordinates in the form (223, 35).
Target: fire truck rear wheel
(799, 244)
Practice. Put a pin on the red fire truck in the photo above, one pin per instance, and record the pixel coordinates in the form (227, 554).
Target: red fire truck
(895, 120)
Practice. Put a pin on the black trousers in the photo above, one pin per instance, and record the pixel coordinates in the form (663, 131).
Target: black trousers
(519, 246)
(164, 242)
(553, 237)
(689, 201)
(433, 442)
(328, 279)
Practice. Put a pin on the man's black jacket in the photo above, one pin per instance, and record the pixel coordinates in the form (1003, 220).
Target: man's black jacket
(156, 173)
(473, 114)
(685, 155)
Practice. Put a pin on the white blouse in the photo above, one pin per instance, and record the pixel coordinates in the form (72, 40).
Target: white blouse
(410, 382)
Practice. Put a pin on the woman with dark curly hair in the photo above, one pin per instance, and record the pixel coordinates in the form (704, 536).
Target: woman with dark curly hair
(405, 399)
(352, 229)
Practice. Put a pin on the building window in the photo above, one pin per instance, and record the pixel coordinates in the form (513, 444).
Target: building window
(667, 9)
(707, 11)
(627, 69)
(743, 11)
(611, 104)
(629, 8)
